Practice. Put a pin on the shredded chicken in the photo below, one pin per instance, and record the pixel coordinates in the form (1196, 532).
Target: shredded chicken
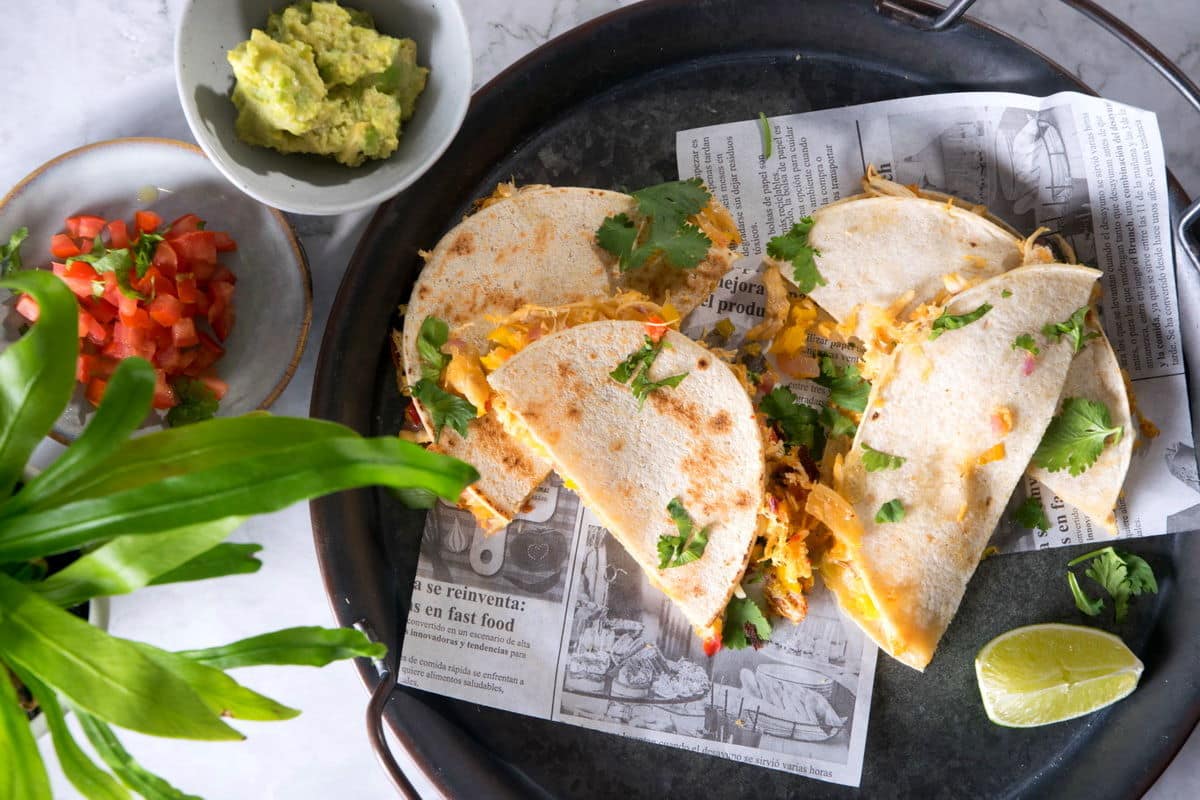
(778, 304)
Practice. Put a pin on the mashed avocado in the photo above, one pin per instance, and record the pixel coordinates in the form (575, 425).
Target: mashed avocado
(322, 80)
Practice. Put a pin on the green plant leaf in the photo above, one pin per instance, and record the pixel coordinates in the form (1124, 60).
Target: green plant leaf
(222, 694)
(118, 759)
(37, 373)
(22, 773)
(124, 407)
(10, 253)
(224, 559)
(104, 675)
(91, 781)
(128, 563)
(252, 485)
(304, 646)
(169, 453)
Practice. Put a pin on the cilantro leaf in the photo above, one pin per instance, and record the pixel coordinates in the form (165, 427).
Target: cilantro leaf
(443, 407)
(836, 423)
(434, 333)
(1006, 293)
(637, 366)
(764, 132)
(1084, 603)
(688, 546)
(847, 388)
(794, 420)
(664, 231)
(1123, 575)
(1031, 514)
(143, 252)
(793, 247)
(1027, 343)
(10, 254)
(745, 625)
(891, 511)
(1072, 328)
(952, 322)
(876, 460)
(197, 402)
(118, 262)
(1076, 437)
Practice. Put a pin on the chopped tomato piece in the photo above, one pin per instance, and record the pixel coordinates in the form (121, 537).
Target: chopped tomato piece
(100, 309)
(95, 390)
(146, 221)
(91, 328)
(220, 312)
(164, 395)
(185, 224)
(197, 249)
(166, 260)
(184, 333)
(27, 307)
(656, 328)
(85, 226)
(63, 246)
(224, 275)
(223, 241)
(118, 235)
(185, 286)
(218, 386)
(165, 310)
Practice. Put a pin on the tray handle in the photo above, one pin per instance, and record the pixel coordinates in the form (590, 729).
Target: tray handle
(374, 718)
(927, 17)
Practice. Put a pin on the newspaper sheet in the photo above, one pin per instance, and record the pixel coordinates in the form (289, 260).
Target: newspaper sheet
(552, 618)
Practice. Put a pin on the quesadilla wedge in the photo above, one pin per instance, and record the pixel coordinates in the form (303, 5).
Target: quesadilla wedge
(531, 246)
(951, 422)
(662, 465)
(884, 253)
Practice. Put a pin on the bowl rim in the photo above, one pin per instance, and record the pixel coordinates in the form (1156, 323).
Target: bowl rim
(234, 171)
(300, 258)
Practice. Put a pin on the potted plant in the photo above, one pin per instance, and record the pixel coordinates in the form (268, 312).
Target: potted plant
(147, 510)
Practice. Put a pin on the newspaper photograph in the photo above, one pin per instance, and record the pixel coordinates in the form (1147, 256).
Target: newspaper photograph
(552, 618)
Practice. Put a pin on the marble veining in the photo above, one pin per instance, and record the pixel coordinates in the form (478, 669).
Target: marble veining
(78, 71)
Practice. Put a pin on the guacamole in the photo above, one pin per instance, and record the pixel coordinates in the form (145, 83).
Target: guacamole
(322, 80)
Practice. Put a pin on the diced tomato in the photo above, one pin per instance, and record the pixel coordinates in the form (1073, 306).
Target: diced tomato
(95, 390)
(166, 260)
(712, 645)
(197, 249)
(118, 235)
(656, 328)
(223, 241)
(218, 386)
(100, 309)
(220, 312)
(185, 287)
(85, 226)
(27, 307)
(91, 328)
(165, 310)
(92, 366)
(132, 314)
(63, 246)
(184, 333)
(77, 269)
(174, 360)
(185, 224)
(164, 395)
(224, 274)
(146, 221)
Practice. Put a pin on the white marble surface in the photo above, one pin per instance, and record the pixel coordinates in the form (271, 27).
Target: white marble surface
(59, 91)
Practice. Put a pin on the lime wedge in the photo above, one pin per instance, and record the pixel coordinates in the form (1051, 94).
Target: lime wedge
(1049, 673)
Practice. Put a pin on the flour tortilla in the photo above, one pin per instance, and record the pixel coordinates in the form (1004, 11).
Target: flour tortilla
(934, 405)
(873, 249)
(699, 442)
(535, 247)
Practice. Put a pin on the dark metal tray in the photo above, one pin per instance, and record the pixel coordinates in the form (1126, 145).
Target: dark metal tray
(599, 106)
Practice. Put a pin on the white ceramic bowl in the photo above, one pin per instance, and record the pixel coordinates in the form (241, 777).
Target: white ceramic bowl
(307, 184)
(273, 300)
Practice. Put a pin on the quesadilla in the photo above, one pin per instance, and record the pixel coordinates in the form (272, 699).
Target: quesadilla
(663, 461)
(532, 247)
(885, 253)
(952, 420)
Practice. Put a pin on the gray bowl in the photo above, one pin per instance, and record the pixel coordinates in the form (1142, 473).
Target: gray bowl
(310, 184)
(273, 299)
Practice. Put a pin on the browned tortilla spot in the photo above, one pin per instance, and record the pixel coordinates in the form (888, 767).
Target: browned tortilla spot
(463, 245)
(721, 422)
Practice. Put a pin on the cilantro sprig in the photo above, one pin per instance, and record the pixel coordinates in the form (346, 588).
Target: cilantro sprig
(10, 253)
(1031, 514)
(119, 262)
(797, 423)
(745, 625)
(846, 385)
(1075, 438)
(836, 423)
(197, 402)
(876, 460)
(635, 370)
(688, 545)
(891, 511)
(952, 322)
(1026, 342)
(793, 247)
(1122, 575)
(662, 230)
(444, 408)
(1073, 329)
